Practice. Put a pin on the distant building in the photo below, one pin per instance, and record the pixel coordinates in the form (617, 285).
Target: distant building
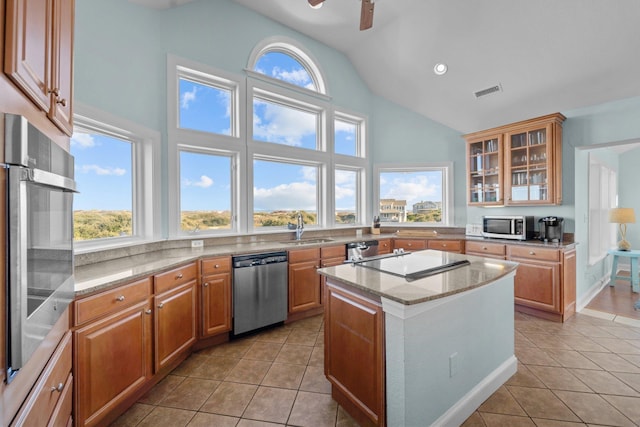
(392, 210)
(426, 207)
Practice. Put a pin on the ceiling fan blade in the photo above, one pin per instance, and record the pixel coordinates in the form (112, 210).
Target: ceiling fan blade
(366, 14)
(315, 2)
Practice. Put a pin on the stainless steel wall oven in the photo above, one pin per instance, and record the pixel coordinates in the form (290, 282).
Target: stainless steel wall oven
(39, 260)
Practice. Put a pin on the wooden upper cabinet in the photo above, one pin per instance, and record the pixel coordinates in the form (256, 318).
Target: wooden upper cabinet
(39, 55)
(516, 164)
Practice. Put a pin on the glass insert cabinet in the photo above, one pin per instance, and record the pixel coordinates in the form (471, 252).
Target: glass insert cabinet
(517, 164)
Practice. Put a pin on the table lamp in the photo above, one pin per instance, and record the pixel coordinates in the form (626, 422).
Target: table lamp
(622, 216)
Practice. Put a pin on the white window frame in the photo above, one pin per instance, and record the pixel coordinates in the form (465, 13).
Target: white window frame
(446, 168)
(603, 195)
(204, 142)
(145, 163)
(359, 122)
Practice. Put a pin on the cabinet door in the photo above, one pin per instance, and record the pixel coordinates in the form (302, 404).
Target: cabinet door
(384, 246)
(175, 323)
(537, 285)
(484, 169)
(304, 286)
(529, 162)
(112, 360)
(216, 304)
(331, 262)
(354, 354)
(62, 66)
(28, 48)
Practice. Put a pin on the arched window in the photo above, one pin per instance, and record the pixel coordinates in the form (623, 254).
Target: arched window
(284, 60)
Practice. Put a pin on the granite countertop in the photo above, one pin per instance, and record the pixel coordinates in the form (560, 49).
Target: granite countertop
(479, 272)
(102, 275)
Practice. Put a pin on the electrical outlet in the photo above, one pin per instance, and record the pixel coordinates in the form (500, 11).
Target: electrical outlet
(197, 243)
(453, 364)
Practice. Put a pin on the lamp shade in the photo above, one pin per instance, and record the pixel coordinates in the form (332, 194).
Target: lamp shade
(622, 216)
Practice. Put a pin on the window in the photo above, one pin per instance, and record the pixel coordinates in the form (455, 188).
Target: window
(116, 167)
(603, 191)
(263, 147)
(284, 124)
(283, 66)
(346, 194)
(347, 136)
(280, 190)
(204, 107)
(206, 192)
(103, 163)
(415, 194)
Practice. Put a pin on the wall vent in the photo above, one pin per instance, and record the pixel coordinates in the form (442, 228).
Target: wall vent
(488, 91)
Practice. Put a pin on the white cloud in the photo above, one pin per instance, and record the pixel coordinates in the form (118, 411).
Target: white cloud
(99, 170)
(412, 190)
(282, 124)
(188, 98)
(298, 77)
(82, 140)
(203, 182)
(293, 196)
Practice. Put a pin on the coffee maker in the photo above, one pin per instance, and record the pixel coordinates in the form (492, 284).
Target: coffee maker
(550, 229)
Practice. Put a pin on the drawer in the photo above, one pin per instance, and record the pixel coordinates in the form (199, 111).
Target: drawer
(215, 265)
(384, 246)
(45, 395)
(62, 411)
(445, 245)
(94, 306)
(532, 252)
(330, 262)
(485, 248)
(302, 255)
(333, 251)
(410, 244)
(172, 278)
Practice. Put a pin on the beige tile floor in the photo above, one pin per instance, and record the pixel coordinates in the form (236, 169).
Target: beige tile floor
(583, 372)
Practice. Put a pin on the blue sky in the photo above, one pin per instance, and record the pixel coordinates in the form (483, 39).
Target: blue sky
(413, 187)
(103, 164)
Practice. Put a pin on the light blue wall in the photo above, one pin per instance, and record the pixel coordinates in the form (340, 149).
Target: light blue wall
(629, 191)
(406, 137)
(121, 69)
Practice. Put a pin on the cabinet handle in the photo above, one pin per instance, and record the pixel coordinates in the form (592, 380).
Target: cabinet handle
(444, 245)
(531, 253)
(62, 102)
(205, 284)
(216, 266)
(55, 91)
(179, 276)
(409, 244)
(148, 311)
(484, 248)
(161, 305)
(120, 298)
(58, 388)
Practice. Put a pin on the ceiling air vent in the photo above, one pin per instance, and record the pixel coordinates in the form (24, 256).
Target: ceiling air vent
(488, 91)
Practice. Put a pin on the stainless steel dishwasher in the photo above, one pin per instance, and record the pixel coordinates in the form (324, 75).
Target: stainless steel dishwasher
(260, 290)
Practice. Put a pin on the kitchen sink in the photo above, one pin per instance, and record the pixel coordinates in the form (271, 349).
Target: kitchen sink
(306, 242)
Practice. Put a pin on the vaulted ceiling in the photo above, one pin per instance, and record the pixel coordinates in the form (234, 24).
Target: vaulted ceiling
(546, 55)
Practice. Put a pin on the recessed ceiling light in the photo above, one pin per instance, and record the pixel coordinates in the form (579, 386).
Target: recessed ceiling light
(440, 69)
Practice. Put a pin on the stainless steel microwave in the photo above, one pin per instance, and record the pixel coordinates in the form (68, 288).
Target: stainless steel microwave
(515, 227)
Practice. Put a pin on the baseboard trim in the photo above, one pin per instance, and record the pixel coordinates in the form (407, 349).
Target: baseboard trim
(462, 409)
(593, 292)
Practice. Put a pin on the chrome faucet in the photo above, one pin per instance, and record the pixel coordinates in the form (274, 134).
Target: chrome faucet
(299, 227)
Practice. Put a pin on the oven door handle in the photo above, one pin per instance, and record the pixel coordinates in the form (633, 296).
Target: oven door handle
(41, 177)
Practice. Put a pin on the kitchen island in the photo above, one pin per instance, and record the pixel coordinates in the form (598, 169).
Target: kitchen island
(406, 348)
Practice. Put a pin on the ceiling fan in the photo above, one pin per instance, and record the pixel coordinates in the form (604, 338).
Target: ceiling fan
(366, 12)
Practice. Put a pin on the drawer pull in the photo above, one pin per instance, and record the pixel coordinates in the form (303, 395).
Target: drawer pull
(179, 276)
(161, 305)
(531, 253)
(120, 298)
(409, 244)
(205, 284)
(444, 245)
(217, 266)
(58, 388)
(148, 311)
(484, 248)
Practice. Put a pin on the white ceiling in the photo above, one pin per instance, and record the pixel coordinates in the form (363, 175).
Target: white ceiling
(548, 55)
